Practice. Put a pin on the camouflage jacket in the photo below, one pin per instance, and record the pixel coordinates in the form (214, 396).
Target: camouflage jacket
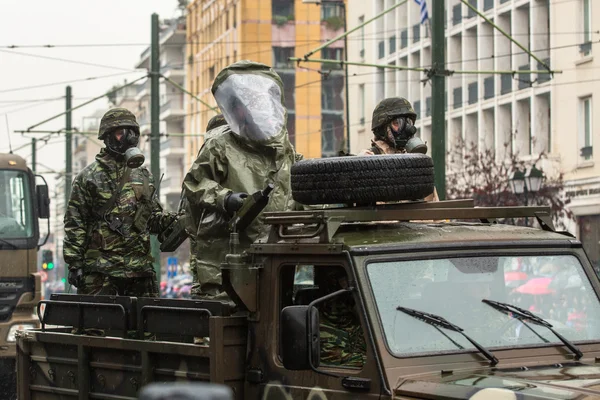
(89, 242)
(341, 336)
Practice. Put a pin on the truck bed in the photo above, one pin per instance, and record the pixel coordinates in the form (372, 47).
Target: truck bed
(58, 364)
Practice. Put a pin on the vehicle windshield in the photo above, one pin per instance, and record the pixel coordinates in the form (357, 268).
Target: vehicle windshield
(15, 205)
(554, 288)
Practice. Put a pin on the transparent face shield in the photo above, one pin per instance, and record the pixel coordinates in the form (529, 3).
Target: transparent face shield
(252, 106)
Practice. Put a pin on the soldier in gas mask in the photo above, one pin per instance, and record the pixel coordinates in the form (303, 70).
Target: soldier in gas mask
(394, 131)
(110, 215)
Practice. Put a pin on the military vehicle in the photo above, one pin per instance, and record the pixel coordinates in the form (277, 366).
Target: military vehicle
(410, 300)
(21, 204)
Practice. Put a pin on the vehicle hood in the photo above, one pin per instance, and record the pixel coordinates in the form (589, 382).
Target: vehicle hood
(566, 381)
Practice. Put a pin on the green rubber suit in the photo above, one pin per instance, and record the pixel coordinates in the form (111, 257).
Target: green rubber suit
(244, 156)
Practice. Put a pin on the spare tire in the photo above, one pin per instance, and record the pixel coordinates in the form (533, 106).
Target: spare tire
(362, 179)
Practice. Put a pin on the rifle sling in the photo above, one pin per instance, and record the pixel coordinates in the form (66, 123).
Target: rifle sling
(111, 202)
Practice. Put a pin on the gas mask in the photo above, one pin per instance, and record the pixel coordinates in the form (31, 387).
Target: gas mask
(403, 130)
(125, 149)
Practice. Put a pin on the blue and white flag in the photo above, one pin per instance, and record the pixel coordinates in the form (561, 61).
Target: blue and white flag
(423, 5)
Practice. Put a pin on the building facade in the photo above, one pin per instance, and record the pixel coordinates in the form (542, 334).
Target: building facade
(172, 39)
(221, 32)
(526, 113)
(575, 102)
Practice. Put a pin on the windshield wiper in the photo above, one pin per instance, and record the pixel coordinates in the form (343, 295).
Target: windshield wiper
(522, 314)
(14, 246)
(438, 321)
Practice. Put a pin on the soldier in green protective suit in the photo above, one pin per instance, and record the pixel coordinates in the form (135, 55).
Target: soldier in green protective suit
(238, 159)
(107, 236)
(215, 122)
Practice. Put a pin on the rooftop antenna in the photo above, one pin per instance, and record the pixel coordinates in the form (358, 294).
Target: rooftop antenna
(8, 133)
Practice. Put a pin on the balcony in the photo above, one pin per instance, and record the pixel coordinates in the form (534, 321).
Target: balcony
(473, 92)
(172, 109)
(505, 83)
(143, 90)
(488, 87)
(457, 98)
(524, 79)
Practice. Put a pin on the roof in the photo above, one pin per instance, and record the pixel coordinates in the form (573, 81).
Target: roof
(12, 161)
(360, 235)
(421, 224)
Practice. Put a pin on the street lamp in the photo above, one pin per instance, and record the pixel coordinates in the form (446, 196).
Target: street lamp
(524, 183)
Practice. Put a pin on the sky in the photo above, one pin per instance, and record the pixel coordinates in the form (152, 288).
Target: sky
(104, 37)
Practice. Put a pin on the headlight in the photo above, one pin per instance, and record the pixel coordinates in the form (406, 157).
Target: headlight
(17, 327)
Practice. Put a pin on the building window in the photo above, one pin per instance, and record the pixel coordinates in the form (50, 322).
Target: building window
(403, 39)
(361, 102)
(234, 16)
(416, 33)
(585, 128)
(381, 48)
(283, 8)
(393, 44)
(586, 46)
(281, 56)
(330, 9)
(361, 20)
(327, 139)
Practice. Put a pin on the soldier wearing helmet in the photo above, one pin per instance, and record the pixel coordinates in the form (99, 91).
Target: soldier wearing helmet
(394, 130)
(110, 215)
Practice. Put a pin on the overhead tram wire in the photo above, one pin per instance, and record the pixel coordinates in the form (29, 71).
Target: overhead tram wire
(67, 60)
(67, 82)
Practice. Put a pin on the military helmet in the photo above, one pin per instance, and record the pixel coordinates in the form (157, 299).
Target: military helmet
(389, 108)
(117, 118)
(215, 122)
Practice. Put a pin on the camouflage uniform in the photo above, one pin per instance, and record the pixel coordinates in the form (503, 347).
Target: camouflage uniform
(113, 263)
(342, 339)
(383, 141)
(230, 162)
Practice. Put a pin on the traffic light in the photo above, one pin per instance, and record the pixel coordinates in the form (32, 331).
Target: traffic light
(47, 259)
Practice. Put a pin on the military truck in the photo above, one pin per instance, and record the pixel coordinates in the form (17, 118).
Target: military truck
(22, 202)
(358, 300)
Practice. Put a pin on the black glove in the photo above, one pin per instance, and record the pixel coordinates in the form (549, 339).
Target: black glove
(234, 201)
(75, 277)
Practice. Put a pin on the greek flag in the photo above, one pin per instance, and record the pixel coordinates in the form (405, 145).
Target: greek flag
(423, 5)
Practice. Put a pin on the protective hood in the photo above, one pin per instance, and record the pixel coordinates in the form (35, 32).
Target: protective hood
(250, 96)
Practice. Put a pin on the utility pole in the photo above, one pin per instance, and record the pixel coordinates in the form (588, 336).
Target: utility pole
(343, 5)
(33, 155)
(155, 126)
(438, 97)
(68, 149)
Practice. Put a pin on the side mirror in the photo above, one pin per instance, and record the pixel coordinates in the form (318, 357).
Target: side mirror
(43, 201)
(186, 391)
(299, 350)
